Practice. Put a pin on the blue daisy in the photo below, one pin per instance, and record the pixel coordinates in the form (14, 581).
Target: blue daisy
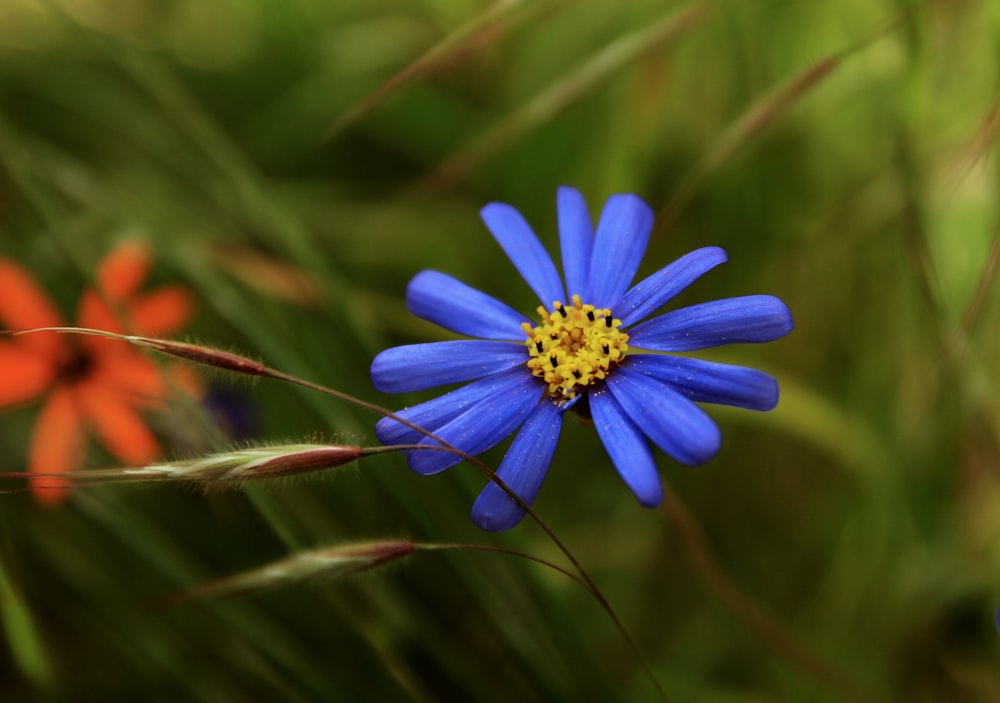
(593, 347)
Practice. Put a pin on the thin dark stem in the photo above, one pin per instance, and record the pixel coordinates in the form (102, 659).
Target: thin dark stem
(423, 546)
(590, 584)
(239, 364)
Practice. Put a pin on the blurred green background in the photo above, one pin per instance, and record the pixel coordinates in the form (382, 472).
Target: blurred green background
(296, 162)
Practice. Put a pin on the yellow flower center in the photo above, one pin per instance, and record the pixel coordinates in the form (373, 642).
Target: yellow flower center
(574, 347)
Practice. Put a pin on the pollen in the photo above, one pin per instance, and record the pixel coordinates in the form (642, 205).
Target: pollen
(575, 346)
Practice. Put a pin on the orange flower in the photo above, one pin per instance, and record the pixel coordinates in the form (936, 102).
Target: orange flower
(89, 383)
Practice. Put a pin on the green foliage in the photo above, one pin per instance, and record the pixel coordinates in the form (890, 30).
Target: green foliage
(295, 163)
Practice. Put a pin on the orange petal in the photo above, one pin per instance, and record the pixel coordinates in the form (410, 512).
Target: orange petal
(163, 311)
(96, 313)
(124, 269)
(118, 425)
(25, 373)
(131, 373)
(23, 305)
(56, 447)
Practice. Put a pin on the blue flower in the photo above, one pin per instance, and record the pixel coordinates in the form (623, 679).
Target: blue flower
(593, 347)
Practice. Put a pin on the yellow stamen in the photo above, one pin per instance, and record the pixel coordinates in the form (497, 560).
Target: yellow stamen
(575, 346)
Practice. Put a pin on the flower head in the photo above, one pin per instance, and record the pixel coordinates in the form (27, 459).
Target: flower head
(593, 347)
(88, 383)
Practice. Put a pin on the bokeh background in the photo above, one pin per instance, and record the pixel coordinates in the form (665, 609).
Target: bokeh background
(295, 163)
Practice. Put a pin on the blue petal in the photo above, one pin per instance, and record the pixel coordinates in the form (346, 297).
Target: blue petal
(650, 295)
(522, 469)
(576, 240)
(436, 413)
(524, 250)
(752, 318)
(446, 301)
(415, 367)
(481, 426)
(628, 449)
(674, 423)
(708, 381)
(622, 236)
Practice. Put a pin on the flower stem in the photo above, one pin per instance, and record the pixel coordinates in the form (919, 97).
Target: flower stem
(240, 364)
(587, 581)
